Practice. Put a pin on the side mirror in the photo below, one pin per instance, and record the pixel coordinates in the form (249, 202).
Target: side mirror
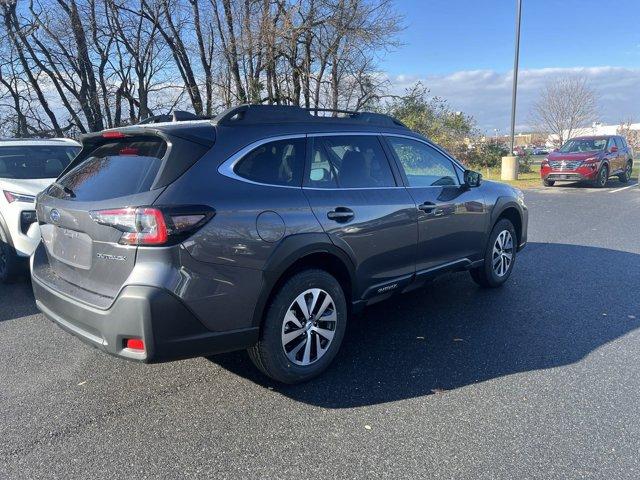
(613, 149)
(472, 179)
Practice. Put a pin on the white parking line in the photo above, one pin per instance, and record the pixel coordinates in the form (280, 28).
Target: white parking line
(623, 188)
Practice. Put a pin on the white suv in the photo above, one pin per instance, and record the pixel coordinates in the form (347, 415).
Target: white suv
(26, 168)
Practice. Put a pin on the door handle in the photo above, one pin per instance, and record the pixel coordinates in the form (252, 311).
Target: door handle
(430, 207)
(340, 214)
(427, 207)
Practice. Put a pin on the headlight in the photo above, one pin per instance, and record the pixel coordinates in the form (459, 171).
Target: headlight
(590, 162)
(18, 197)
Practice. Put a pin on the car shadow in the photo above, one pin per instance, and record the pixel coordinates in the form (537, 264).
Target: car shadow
(17, 299)
(562, 303)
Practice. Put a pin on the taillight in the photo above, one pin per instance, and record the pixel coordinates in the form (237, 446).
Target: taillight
(154, 226)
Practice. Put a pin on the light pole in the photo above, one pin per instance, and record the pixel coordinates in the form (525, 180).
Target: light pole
(510, 162)
(516, 61)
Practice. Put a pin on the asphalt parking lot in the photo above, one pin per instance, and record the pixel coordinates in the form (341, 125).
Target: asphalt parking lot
(538, 379)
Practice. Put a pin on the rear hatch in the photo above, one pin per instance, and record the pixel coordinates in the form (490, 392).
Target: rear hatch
(88, 252)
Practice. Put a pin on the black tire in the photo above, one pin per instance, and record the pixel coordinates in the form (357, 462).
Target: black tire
(626, 175)
(603, 176)
(485, 275)
(548, 183)
(269, 353)
(10, 263)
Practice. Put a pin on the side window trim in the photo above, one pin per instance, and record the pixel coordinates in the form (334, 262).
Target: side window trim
(227, 168)
(457, 167)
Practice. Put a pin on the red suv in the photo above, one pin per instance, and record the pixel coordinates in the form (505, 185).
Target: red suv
(589, 159)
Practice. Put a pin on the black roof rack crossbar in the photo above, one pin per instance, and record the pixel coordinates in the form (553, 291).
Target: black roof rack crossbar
(257, 114)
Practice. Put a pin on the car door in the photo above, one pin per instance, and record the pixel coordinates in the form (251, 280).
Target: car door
(623, 154)
(363, 208)
(613, 155)
(452, 218)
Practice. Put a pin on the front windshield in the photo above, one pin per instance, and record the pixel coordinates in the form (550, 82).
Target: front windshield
(577, 145)
(35, 161)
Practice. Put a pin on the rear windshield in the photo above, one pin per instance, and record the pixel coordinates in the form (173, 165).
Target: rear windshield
(113, 169)
(35, 161)
(577, 145)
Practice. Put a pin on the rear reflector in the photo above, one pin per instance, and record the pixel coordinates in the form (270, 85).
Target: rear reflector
(134, 344)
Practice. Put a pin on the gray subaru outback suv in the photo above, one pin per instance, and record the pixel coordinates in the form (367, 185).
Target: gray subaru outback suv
(262, 229)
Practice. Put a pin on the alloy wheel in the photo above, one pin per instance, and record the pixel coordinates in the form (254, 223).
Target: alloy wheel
(502, 253)
(603, 177)
(309, 326)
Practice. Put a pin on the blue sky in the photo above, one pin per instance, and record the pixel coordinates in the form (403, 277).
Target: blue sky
(448, 44)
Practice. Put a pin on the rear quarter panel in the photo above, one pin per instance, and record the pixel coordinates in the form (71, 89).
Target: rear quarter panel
(225, 260)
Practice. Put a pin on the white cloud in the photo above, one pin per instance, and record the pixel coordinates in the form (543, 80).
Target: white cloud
(486, 94)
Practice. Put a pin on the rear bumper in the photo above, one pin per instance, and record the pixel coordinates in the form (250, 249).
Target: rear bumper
(167, 327)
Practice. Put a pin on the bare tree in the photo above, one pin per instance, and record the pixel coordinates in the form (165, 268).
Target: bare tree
(565, 104)
(83, 65)
(631, 134)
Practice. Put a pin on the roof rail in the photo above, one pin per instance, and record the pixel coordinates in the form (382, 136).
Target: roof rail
(256, 114)
(175, 116)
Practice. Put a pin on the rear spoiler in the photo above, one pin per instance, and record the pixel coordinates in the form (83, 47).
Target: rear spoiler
(185, 146)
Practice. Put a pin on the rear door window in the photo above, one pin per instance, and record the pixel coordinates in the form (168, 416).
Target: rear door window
(275, 163)
(349, 161)
(115, 168)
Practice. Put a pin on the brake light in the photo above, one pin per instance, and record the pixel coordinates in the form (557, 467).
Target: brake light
(140, 226)
(128, 151)
(113, 134)
(153, 226)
